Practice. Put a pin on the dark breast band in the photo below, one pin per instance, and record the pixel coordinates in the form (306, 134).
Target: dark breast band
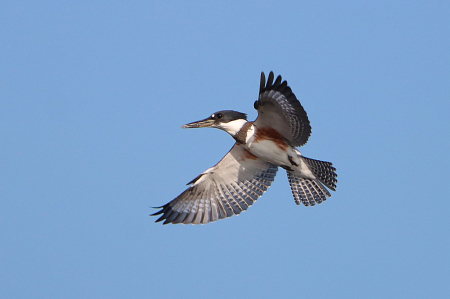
(241, 136)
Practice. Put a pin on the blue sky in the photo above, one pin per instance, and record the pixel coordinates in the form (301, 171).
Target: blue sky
(92, 98)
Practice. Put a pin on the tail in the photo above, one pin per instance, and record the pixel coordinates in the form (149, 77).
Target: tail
(312, 191)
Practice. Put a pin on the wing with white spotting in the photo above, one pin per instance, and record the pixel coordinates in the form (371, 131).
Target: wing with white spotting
(224, 190)
(278, 108)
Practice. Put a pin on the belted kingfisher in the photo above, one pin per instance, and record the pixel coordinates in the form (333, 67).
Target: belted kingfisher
(249, 168)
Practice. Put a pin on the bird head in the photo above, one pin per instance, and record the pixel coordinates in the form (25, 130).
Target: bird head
(228, 120)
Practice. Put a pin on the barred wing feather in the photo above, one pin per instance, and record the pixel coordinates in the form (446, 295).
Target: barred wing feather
(279, 109)
(226, 189)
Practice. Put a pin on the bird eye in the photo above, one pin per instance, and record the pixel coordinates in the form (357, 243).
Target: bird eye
(219, 115)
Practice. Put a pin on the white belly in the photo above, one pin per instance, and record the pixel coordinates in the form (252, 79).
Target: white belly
(277, 153)
(269, 151)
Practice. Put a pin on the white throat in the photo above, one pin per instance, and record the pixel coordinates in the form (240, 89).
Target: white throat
(233, 126)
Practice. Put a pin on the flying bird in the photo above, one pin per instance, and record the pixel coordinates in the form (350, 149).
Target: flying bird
(249, 168)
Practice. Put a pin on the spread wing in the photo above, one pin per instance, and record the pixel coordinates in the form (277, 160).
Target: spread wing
(278, 108)
(224, 190)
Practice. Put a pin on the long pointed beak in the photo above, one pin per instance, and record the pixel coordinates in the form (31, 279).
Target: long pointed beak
(204, 123)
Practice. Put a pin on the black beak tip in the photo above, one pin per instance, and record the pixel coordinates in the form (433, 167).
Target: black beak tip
(188, 126)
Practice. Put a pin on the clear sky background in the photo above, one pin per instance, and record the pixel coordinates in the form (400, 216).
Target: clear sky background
(92, 98)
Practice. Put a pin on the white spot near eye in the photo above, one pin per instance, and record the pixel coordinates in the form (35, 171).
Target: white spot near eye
(212, 115)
